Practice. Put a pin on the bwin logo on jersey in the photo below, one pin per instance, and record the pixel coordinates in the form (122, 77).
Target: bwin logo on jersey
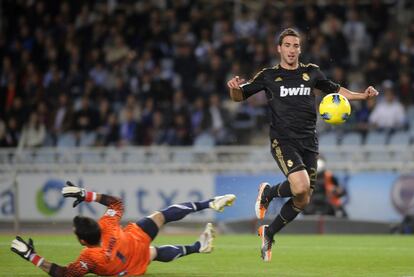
(294, 91)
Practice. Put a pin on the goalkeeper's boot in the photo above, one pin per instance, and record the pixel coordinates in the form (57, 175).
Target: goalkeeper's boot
(262, 202)
(206, 239)
(219, 202)
(266, 248)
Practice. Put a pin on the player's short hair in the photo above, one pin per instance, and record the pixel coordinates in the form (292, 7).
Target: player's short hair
(287, 32)
(87, 229)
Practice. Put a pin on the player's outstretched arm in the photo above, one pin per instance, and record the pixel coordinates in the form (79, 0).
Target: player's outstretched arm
(26, 251)
(81, 194)
(236, 93)
(369, 92)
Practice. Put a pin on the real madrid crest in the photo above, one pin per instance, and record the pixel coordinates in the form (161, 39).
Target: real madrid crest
(305, 77)
(275, 143)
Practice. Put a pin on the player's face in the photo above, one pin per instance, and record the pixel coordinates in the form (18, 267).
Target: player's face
(289, 50)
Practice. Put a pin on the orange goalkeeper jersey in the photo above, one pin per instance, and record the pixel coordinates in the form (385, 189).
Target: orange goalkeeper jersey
(123, 251)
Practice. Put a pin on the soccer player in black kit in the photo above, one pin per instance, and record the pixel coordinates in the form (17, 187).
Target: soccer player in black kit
(294, 144)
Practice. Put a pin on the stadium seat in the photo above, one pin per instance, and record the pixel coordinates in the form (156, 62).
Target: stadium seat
(379, 139)
(204, 140)
(376, 138)
(410, 116)
(92, 157)
(87, 139)
(136, 156)
(42, 155)
(328, 139)
(112, 155)
(24, 157)
(379, 156)
(400, 138)
(66, 155)
(352, 138)
(334, 156)
(411, 133)
(183, 157)
(259, 155)
(66, 140)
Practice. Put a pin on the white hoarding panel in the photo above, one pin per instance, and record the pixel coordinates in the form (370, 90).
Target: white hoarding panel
(40, 196)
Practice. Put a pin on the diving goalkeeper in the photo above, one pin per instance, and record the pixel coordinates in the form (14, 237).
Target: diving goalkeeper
(111, 249)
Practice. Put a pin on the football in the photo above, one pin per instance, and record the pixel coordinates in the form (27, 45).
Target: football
(334, 108)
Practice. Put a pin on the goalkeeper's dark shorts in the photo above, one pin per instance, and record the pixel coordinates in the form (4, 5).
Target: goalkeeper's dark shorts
(148, 226)
(292, 155)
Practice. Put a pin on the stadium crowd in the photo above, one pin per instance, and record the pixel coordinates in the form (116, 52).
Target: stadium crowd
(80, 73)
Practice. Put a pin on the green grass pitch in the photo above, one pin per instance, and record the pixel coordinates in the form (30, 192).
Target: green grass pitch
(238, 255)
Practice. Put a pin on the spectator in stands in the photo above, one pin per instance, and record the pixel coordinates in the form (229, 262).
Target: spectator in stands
(388, 114)
(33, 133)
(198, 115)
(362, 115)
(3, 139)
(156, 133)
(244, 121)
(86, 123)
(336, 41)
(147, 113)
(179, 103)
(185, 65)
(392, 64)
(179, 133)
(357, 38)
(109, 132)
(12, 132)
(128, 129)
(62, 118)
(74, 81)
(132, 104)
(219, 118)
(18, 111)
(53, 84)
(405, 88)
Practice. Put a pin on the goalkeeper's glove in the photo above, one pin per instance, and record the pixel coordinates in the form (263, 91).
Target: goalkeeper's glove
(79, 193)
(26, 250)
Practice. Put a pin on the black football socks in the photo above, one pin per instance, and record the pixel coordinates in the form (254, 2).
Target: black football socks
(287, 213)
(280, 190)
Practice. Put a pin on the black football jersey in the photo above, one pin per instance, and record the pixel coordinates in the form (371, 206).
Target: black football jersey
(291, 98)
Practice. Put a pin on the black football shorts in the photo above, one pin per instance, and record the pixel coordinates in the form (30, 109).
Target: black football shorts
(292, 155)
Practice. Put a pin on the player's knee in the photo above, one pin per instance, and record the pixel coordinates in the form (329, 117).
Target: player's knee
(301, 189)
(301, 201)
(305, 201)
(158, 219)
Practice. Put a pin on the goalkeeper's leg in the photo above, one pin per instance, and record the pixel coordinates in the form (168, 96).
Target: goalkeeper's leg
(168, 253)
(155, 221)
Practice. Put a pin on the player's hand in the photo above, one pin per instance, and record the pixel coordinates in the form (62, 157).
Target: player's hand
(74, 191)
(235, 82)
(22, 248)
(370, 92)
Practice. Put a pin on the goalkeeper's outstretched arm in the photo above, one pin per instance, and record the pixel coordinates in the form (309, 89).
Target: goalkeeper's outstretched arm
(81, 194)
(27, 251)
